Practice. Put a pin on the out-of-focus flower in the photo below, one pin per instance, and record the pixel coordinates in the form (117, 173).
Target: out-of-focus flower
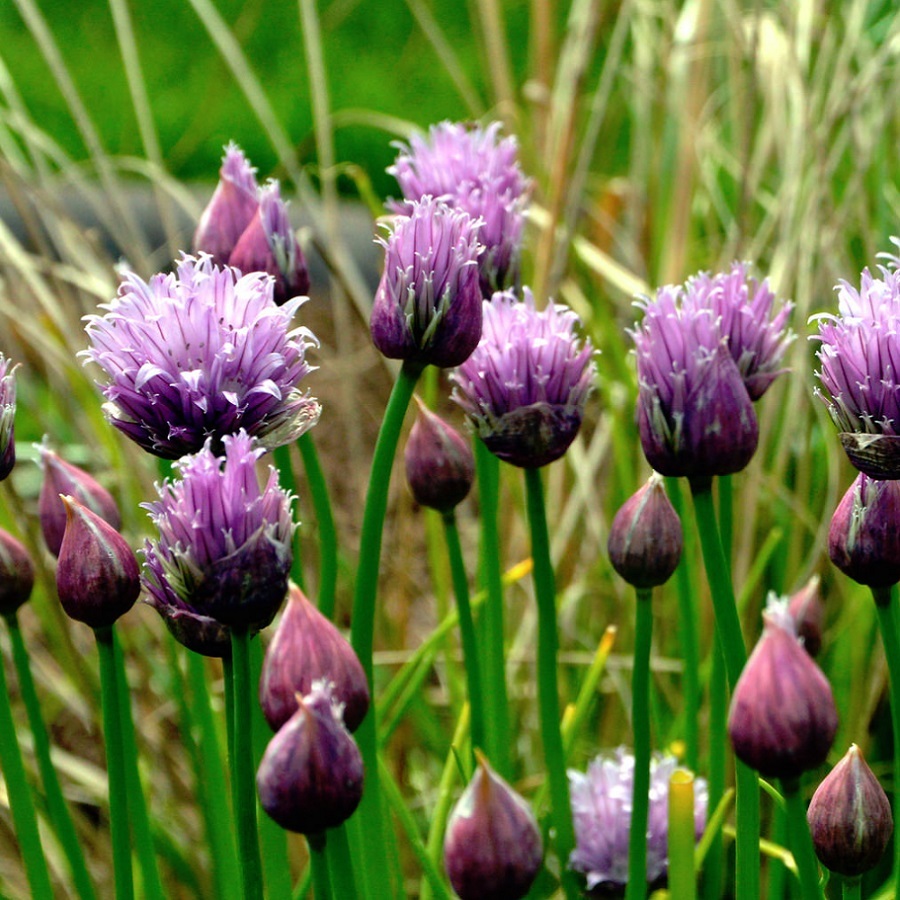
(808, 612)
(307, 647)
(428, 304)
(695, 416)
(202, 352)
(782, 719)
(439, 464)
(224, 547)
(850, 817)
(525, 386)
(601, 805)
(492, 846)
(473, 169)
(7, 417)
(61, 477)
(645, 538)
(864, 537)
(16, 573)
(311, 775)
(97, 576)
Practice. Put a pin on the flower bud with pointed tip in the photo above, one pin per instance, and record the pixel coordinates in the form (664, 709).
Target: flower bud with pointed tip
(805, 606)
(311, 775)
(864, 540)
(16, 573)
(850, 817)
(782, 719)
(97, 576)
(440, 468)
(307, 647)
(7, 417)
(61, 477)
(645, 538)
(492, 848)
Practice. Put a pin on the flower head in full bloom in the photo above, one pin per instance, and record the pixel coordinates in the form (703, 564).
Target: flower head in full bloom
(427, 307)
(224, 548)
(202, 352)
(601, 805)
(7, 416)
(525, 386)
(473, 169)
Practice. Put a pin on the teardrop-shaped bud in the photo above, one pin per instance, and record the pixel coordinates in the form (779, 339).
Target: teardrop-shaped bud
(16, 573)
(307, 647)
(645, 538)
(7, 417)
(311, 775)
(782, 719)
(808, 612)
(493, 848)
(61, 477)
(97, 576)
(850, 817)
(440, 468)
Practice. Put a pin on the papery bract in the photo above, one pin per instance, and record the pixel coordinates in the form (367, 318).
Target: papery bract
(7, 417)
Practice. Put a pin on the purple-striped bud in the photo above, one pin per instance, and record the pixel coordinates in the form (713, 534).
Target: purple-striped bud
(7, 417)
(16, 573)
(808, 612)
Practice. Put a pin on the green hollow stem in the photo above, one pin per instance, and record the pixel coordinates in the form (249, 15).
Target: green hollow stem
(321, 501)
(115, 766)
(56, 804)
(466, 628)
(373, 847)
(243, 771)
(728, 628)
(340, 863)
(493, 651)
(640, 724)
(681, 875)
(714, 867)
(321, 878)
(889, 625)
(851, 888)
(801, 841)
(548, 689)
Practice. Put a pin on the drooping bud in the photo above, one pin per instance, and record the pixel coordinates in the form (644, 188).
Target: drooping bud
(97, 577)
(850, 817)
(782, 719)
(7, 417)
(493, 847)
(16, 574)
(864, 540)
(645, 538)
(439, 463)
(311, 775)
(307, 647)
(805, 606)
(61, 477)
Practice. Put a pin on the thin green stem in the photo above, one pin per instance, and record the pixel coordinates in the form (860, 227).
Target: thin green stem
(56, 804)
(801, 841)
(319, 863)
(340, 863)
(493, 651)
(243, 770)
(714, 868)
(640, 725)
(548, 690)
(682, 875)
(466, 628)
(728, 627)
(851, 888)
(115, 766)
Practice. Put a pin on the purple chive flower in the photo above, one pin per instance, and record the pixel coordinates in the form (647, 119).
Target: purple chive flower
(525, 386)
(224, 547)
(7, 417)
(16, 574)
(601, 805)
(694, 414)
(202, 352)
(473, 169)
(428, 304)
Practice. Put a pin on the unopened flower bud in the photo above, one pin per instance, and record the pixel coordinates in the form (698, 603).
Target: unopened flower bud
(493, 848)
(645, 538)
(97, 576)
(16, 574)
(805, 606)
(850, 817)
(7, 417)
(307, 647)
(439, 464)
(63, 478)
(311, 775)
(782, 719)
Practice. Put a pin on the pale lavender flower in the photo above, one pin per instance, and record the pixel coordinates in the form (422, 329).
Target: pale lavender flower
(427, 307)
(601, 806)
(473, 169)
(224, 548)
(694, 414)
(524, 388)
(202, 352)
(7, 417)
